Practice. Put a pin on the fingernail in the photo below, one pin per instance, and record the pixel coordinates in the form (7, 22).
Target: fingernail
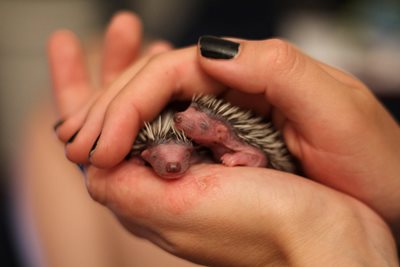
(58, 124)
(81, 167)
(94, 146)
(217, 48)
(72, 138)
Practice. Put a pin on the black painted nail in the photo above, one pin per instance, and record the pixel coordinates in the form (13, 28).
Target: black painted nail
(81, 167)
(58, 124)
(217, 48)
(72, 138)
(94, 146)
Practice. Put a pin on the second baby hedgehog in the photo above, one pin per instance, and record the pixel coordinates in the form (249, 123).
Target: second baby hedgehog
(234, 135)
(164, 147)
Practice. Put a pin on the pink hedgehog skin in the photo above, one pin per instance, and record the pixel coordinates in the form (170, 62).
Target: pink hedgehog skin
(235, 136)
(169, 160)
(165, 148)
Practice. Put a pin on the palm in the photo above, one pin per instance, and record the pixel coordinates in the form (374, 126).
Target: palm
(213, 196)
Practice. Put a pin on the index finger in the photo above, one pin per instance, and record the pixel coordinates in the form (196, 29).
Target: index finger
(173, 75)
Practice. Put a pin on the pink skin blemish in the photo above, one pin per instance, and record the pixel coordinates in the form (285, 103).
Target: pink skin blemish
(170, 160)
(184, 194)
(220, 138)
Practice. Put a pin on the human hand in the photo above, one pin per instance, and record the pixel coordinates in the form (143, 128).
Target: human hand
(343, 137)
(330, 120)
(75, 92)
(160, 210)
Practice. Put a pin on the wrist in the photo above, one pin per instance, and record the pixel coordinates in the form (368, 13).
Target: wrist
(340, 235)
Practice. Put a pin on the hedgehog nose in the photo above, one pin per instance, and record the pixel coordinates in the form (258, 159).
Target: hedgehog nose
(173, 167)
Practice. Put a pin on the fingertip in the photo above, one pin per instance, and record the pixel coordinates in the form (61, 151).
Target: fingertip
(59, 36)
(67, 127)
(58, 124)
(212, 47)
(121, 44)
(62, 43)
(74, 151)
(77, 150)
(117, 138)
(107, 155)
(66, 131)
(123, 23)
(291, 81)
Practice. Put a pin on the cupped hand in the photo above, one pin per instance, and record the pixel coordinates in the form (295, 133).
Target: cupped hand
(230, 216)
(342, 136)
(81, 99)
(222, 216)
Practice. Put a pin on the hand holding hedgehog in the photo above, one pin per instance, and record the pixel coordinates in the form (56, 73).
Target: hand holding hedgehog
(235, 136)
(326, 117)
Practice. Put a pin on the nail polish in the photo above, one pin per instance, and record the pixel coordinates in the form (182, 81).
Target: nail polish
(217, 48)
(58, 124)
(94, 146)
(81, 167)
(72, 138)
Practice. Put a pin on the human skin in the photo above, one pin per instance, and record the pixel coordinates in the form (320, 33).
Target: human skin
(57, 224)
(330, 121)
(219, 202)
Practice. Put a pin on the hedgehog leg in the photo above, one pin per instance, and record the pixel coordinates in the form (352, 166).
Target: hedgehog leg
(244, 159)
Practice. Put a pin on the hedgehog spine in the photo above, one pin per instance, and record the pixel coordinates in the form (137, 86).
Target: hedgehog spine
(161, 130)
(249, 128)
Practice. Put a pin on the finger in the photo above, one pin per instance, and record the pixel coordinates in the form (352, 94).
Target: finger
(129, 183)
(171, 75)
(305, 91)
(121, 45)
(71, 86)
(157, 47)
(69, 129)
(78, 151)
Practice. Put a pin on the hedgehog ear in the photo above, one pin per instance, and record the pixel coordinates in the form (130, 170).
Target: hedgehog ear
(221, 132)
(145, 154)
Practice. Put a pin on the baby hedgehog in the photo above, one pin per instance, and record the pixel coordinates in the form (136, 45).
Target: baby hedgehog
(234, 135)
(164, 147)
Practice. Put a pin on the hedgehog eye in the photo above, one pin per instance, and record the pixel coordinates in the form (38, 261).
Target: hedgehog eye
(187, 155)
(203, 125)
(154, 157)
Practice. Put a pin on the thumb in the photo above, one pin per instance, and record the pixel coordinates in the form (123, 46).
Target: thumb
(300, 87)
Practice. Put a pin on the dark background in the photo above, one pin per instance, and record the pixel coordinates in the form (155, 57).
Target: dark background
(246, 19)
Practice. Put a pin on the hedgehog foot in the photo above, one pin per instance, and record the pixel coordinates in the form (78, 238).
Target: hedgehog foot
(243, 159)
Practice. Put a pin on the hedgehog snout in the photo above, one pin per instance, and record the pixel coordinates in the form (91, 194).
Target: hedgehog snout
(173, 167)
(183, 123)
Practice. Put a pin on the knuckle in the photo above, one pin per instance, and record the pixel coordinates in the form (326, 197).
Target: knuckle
(286, 60)
(95, 187)
(157, 60)
(166, 66)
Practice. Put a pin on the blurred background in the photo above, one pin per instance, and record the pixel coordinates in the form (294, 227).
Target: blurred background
(359, 36)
